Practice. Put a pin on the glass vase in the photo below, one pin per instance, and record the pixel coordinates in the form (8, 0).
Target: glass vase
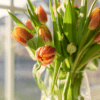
(81, 89)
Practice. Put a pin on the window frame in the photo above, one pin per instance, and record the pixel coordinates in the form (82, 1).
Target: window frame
(9, 53)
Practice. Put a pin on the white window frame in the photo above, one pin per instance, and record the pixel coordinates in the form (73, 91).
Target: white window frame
(9, 53)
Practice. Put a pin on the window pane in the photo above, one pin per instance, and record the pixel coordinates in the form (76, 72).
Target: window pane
(5, 2)
(2, 56)
(25, 85)
(22, 4)
(3, 13)
(94, 81)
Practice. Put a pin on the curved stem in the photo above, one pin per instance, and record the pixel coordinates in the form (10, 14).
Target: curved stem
(79, 54)
(86, 62)
(91, 42)
(56, 72)
(83, 64)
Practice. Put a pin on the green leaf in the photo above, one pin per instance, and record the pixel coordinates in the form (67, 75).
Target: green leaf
(72, 2)
(82, 17)
(56, 34)
(37, 71)
(67, 64)
(60, 58)
(85, 30)
(88, 18)
(35, 43)
(61, 10)
(19, 23)
(94, 65)
(58, 19)
(64, 44)
(32, 7)
(74, 23)
(67, 23)
(81, 98)
(36, 22)
(51, 10)
(66, 1)
(38, 41)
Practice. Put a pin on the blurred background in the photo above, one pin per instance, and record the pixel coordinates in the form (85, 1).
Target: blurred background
(16, 81)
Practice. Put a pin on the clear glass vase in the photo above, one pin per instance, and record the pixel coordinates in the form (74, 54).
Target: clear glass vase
(83, 93)
(85, 89)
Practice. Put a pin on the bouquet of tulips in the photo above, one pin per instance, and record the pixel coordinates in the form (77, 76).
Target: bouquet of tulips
(75, 42)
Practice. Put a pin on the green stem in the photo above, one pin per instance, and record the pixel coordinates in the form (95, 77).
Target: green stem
(67, 91)
(84, 39)
(72, 2)
(83, 64)
(79, 54)
(86, 62)
(84, 48)
(56, 72)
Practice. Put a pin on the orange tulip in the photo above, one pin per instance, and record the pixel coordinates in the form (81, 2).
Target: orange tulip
(42, 15)
(94, 19)
(76, 6)
(21, 35)
(45, 55)
(97, 38)
(29, 24)
(45, 34)
(95, 12)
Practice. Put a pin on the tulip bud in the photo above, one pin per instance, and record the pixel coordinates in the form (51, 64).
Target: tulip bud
(45, 55)
(97, 38)
(29, 24)
(21, 35)
(42, 15)
(95, 12)
(75, 6)
(55, 7)
(94, 19)
(45, 34)
(71, 48)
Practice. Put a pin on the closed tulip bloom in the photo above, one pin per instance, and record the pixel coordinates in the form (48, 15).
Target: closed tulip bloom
(21, 35)
(42, 15)
(29, 24)
(75, 6)
(97, 38)
(95, 12)
(45, 55)
(94, 19)
(45, 34)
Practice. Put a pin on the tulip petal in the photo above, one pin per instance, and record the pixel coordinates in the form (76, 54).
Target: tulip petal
(23, 33)
(42, 15)
(18, 39)
(28, 24)
(46, 54)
